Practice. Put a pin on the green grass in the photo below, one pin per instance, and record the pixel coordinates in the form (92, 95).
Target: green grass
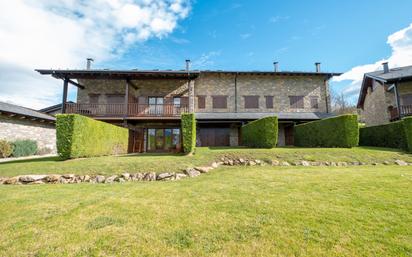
(203, 156)
(232, 211)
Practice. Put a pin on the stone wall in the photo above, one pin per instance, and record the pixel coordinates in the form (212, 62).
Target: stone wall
(13, 128)
(280, 87)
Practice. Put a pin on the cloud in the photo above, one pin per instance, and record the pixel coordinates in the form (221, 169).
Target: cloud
(278, 18)
(245, 35)
(62, 33)
(205, 60)
(401, 45)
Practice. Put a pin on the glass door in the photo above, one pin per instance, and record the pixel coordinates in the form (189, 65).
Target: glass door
(156, 105)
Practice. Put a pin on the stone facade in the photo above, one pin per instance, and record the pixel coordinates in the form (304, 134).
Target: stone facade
(44, 133)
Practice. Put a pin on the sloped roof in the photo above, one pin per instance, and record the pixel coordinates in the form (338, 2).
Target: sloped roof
(54, 107)
(23, 111)
(259, 115)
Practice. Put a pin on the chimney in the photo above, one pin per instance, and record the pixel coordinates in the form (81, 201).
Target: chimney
(89, 63)
(317, 64)
(385, 67)
(187, 65)
(276, 66)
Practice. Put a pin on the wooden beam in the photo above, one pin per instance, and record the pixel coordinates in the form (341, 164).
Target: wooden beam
(65, 89)
(128, 81)
(76, 84)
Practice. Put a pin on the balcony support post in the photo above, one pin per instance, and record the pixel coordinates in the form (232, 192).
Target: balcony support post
(395, 88)
(65, 91)
(191, 91)
(126, 100)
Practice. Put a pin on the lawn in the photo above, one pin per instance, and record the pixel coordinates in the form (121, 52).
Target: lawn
(203, 156)
(231, 211)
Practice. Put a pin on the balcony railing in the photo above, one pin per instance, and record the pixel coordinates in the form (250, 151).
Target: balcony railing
(129, 110)
(405, 110)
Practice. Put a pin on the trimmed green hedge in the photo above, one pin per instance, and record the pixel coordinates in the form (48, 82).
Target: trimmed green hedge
(24, 147)
(389, 135)
(80, 136)
(340, 131)
(407, 124)
(189, 132)
(262, 133)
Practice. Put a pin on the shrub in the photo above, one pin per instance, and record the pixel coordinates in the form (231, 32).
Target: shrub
(388, 135)
(340, 131)
(6, 149)
(24, 148)
(80, 136)
(407, 125)
(262, 133)
(189, 132)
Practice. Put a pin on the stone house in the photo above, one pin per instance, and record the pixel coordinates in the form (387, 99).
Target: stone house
(149, 102)
(386, 95)
(18, 122)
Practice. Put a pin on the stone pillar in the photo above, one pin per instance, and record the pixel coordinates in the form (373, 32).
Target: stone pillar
(191, 90)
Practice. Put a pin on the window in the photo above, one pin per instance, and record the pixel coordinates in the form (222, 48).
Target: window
(314, 102)
(251, 101)
(269, 101)
(176, 101)
(201, 101)
(115, 99)
(219, 101)
(94, 98)
(296, 102)
(406, 99)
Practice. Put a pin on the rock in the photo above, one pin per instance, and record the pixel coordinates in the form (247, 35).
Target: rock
(215, 165)
(203, 169)
(62, 180)
(37, 182)
(12, 181)
(179, 176)
(386, 163)
(355, 163)
(251, 163)
(121, 180)
(165, 175)
(150, 176)
(242, 161)
(68, 176)
(230, 162)
(401, 163)
(375, 164)
(31, 178)
(274, 163)
(315, 163)
(110, 179)
(191, 172)
(126, 176)
(100, 179)
(86, 178)
(342, 164)
(53, 178)
(333, 164)
(305, 163)
(258, 162)
(138, 176)
(284, 164)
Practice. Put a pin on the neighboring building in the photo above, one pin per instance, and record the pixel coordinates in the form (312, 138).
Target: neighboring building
(386, 95)
(18, 122)
(149, 103)
(54, 109)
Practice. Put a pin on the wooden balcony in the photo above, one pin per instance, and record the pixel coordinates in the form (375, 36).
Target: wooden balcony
(127, 111)
(405, 110)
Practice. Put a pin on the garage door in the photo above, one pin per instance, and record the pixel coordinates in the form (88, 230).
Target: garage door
(214, 136)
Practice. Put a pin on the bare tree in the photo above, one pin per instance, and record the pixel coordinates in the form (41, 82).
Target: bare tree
(341, 104)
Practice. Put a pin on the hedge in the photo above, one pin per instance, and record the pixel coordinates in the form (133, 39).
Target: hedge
(407, 124)
(6, 149)
(80, 136)
(189, 132)
(24, 147)
(389, 135)
(262, 133)
(340, 131)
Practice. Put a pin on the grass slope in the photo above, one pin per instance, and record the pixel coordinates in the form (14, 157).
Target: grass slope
(203, 156)
(233, 211)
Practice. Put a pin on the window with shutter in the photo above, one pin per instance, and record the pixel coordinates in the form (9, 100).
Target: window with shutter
(406, 99)
(314, 102)
(296, 102)
(269, 102)
(219, 101)
(115, 99)
(251, 101)
(94, 98)
(201, 101)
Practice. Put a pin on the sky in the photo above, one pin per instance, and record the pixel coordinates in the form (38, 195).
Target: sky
(352, 37)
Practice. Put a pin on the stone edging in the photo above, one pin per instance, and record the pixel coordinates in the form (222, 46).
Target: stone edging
(170, 176)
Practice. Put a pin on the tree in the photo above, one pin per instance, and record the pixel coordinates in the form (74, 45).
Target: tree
(341, 104)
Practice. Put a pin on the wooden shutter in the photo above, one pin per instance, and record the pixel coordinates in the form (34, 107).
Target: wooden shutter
(296, 102)
(269, 102)
(251, 102)
(314, 102)
(201, 101)
(219, 101)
